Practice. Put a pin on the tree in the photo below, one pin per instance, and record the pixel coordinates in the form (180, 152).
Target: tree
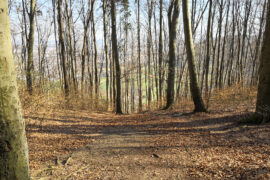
(150, 4)
(86, 21)
(195, 92)
(71, 52)
(254, 77)
(62, 45)
(126, 27)
(139, 55)
(263, 98)
(13, 144)
(104, 5)
(115, 54)
(95, 47)
(160, 50)
(30, 64)
(173, 17)
(208, 46)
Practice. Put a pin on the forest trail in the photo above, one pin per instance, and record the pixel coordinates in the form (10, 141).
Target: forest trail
(173, 144)
(116, 153)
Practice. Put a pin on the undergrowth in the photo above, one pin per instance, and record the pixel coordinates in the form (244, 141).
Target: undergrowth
(45, 101)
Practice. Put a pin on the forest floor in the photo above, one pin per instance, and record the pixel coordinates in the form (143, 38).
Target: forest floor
(173, 144)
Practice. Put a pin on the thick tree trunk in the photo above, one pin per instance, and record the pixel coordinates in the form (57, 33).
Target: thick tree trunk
(195, 91)
(117, 68)
(30, 64)
(13, 144)
(263, 98)
(173, 17)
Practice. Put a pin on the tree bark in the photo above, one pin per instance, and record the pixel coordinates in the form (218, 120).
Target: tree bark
(13, 144)
(62, 44)
(30, 64)
(106, 47)
(115, 54)
(208, 46)
(263, 98)
(86, 22)
(173, 17)
(149, 42)
(195, 92)
(139, 57)
(95, 48)
(254, 77)
(160, 50)
(221, 8)
(221, 69)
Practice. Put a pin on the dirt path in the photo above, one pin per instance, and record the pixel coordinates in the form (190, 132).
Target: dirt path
(176, 144)
(117, 153)
(156, 145)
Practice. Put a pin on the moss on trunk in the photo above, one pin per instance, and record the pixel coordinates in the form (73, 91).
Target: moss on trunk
(13, 144)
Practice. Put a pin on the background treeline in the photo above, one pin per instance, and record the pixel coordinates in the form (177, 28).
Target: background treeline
(116, 54)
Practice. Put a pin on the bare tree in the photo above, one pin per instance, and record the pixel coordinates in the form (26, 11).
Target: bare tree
(173, 17)
(139, 55)
(117, 69)
(106, 47)
(30, 64)
(62, 45)
(195, 91)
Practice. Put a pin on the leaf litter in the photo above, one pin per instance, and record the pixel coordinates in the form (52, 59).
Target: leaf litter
(172, 144)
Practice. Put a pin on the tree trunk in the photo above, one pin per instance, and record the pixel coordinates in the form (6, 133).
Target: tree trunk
(263, 98)
(232, 53)
(195, 92)
(117, 68)
(221, 8)
(30, 64)
(149, 42)
(86, 22)
(95, 48)
(254, 77)
(208, 46)
(13, 144)
(139, 57)
(62, 44)
(160, 50)
(173, 17)
(221, 69)
(68, 12)
(244, 36)
(106, 48)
